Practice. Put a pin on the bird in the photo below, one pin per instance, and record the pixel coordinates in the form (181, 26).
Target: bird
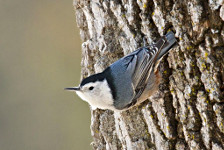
(128, 81)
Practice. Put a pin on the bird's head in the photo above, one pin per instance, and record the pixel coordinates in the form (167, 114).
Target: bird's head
(96, 91)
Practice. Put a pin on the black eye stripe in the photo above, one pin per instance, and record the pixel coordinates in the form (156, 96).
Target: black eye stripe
(91, 88)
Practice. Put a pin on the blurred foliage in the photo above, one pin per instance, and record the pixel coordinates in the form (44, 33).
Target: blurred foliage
(40, 52)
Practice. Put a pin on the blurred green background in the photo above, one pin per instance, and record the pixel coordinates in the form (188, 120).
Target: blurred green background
(40, 52)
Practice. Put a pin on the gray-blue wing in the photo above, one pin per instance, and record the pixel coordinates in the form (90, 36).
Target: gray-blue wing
(138, 67)
(131, 74)
(145, 60)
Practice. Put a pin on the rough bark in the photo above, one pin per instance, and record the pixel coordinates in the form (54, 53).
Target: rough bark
(188, 110)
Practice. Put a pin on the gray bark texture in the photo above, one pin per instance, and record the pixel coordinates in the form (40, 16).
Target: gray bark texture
(188, 110)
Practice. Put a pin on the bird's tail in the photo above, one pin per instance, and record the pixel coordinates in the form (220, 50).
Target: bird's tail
(170, 41)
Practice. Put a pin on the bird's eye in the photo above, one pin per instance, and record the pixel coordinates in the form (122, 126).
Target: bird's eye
(91, 88)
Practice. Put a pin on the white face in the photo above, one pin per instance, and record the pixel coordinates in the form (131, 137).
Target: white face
(97, 94)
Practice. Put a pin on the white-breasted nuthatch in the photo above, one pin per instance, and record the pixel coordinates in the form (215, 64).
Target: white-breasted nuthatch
(128, 81)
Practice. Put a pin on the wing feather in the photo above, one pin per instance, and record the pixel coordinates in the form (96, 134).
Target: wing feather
(135, 69)
(143, 70)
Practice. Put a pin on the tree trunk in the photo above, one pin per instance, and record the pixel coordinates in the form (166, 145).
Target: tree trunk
(188, 110)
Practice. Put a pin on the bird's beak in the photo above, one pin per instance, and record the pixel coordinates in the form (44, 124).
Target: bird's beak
(73, 89)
